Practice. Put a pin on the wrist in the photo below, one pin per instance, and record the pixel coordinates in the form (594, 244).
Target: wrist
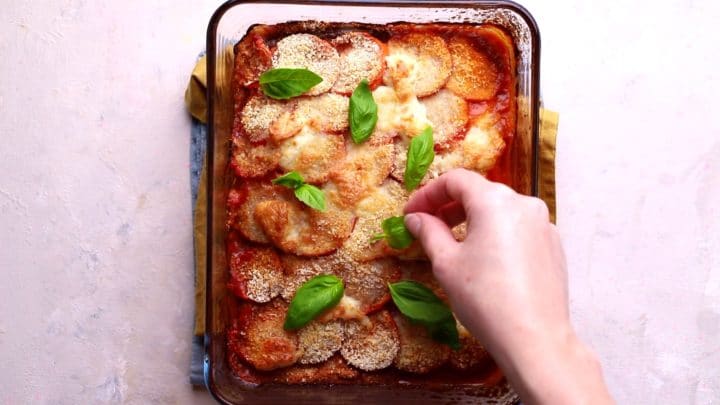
(556, 368)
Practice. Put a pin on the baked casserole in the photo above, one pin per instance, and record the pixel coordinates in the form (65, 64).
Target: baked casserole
(452, 82)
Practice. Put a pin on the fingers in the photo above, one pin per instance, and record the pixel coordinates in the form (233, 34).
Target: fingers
(456, 185)
(452, 214)
(436, 238)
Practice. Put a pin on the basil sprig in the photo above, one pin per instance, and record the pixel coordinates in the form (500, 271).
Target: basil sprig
(312, 298)
(284, 83)
(395, 233)
(419, 157)
(363, 113)
(312, 196)
(419, 304)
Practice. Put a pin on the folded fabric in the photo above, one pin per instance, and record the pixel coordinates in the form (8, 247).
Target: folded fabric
(196, 103)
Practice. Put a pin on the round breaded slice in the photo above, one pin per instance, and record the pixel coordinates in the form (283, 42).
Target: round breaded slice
(255, 271)
(382, 202)
(242, 369)
(300, 230)
(400, 151)
(483, 144)
(333, 371)
(241, 207)
(259, 339)
(364, 167)
(367, 282)
(306, 51)
(448, 115)
(418, 63)
(327, 113)
(474, 75)
(471, 355)
(252, 58)
(252, 161)
(300, 269)
(318, 341)
(421, 271)
(259, 114)
(362, 57)
(313, 154)
(418, 353)
(371, 344)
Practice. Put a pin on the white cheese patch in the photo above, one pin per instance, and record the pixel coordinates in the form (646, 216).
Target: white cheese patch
(291, 149)
(408, 118)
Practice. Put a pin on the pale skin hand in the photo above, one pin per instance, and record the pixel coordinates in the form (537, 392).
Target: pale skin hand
(507, 283)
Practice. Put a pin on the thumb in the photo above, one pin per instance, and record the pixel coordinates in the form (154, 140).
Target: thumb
(436, 238)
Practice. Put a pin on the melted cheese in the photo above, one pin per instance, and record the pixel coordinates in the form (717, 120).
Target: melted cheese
(348, 308)
(291, 149)
(482, 146)
(407, 118)
(403, 70)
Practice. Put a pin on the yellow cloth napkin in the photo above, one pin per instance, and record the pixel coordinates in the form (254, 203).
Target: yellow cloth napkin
(196, 103)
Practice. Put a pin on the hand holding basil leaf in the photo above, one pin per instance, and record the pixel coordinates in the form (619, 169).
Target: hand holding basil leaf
(363, 113)
(311, 299)
(419, 304)
(419, 157)
(285, 83)
(312, 196)
(395, 233)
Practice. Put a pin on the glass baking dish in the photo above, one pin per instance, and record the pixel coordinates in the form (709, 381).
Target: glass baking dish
(227, 26)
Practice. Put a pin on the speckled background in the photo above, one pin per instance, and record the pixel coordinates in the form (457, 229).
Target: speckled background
(95, 235)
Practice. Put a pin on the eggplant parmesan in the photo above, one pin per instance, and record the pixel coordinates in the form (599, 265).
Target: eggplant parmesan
(458, 80)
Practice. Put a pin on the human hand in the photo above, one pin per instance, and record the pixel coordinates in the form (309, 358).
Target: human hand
(506, 282)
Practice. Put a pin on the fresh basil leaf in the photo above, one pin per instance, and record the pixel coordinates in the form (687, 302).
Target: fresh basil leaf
(447, 333)
(419, 157)
(363, 113)
(419, 304)
(312, 196)
(284, 83)
(291, 180)
(312, 298)
(396, 234)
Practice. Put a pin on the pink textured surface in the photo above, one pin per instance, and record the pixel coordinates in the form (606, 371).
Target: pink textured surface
(95, 242)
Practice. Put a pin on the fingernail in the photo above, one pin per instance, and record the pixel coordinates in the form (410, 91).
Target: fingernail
(413, 223)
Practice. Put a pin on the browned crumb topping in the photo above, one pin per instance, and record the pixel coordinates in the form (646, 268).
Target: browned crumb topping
(418, 352)
(448, 114)
(361, 57)
(256, 272)
(309, 52)
(252, 161)
(319, 341)
(300, 269)
(333, 371)
(371, 347)
(259, 113)
(471, 354)
(262, 341)
(367, 282)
